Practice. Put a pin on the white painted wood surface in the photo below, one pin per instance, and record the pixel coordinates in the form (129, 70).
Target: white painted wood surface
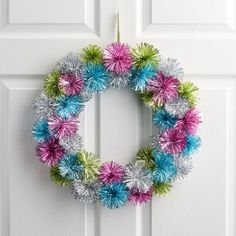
(34, 34)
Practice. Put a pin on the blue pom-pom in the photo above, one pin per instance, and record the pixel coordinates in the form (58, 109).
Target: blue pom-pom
(40, 131)
(69, 106)
(95, 77)
(193, 142)
(163, 119)
(70, 167)
(113, 195)
(165, 170)
(141, 76)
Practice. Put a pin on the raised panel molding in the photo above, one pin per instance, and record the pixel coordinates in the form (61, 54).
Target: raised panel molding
(15, 18)
(150, 24)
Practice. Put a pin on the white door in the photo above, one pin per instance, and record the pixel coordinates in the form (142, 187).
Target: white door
(35, 33)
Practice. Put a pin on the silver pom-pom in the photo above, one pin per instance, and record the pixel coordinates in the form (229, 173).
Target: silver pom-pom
(120, 81)
(137, 177)
(69, 63)
(183, 165)
(72, 144)
(87, 192)
(171, 67)
(43, 106)
(155, 144)
(177, 107)
(85, 95)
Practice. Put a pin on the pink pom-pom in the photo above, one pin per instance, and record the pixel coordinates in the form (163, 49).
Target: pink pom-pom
(117, 58)
(164, 88)
(111, 172)
(71, 84)
(190, 122)
(50, 152)
(172, 140)
(62, 127)
(137, 197)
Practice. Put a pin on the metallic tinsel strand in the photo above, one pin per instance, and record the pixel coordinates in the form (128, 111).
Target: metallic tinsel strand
(120, 81)
(137, 177)
(177, 107)
(183, 165)
(72, 144)
(171, 67)
(85, 95)
(155, 138)
(43, 106)
(87, 192)
(69, 63)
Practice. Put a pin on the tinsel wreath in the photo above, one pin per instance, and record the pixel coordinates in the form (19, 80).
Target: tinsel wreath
(158, 82)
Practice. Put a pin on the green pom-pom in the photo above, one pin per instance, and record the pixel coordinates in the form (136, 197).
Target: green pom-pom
(57, 178)
(188, 91)
(145, 156)
(51, 88)
(90, 164)
(148, 101)
(92, 53)
(145, 54)
(161, 188)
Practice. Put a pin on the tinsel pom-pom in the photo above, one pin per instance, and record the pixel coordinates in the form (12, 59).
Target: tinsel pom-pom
(69, 106)
(145, 157)
(62, 127)
(183, 166)
(163, 120)
(190, 122)
(90, 165)
(164, 88)
(171, 67)
(137, 177)
(71, 84)
(110, 172)
(70, 167)
(161, 189)
(43, 106)
(72, 144)
(57, 178)
(165, 170)
(193, 142)
(96, 77)
(188, 91)
(177, 107)
(141, 76)
(40, 131)
(137, 197)
(51, 85)
(120, 81)
(117, 58)
(145, 54)
(113, 195)
(87, 192)
(92, 53)
(69, 64)
(85, 95)
(172, 140)
(148, 101)
(50, 152)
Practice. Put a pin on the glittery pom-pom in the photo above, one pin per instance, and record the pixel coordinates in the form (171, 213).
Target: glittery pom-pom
(92, 53)
(120, 81)
(70, 167)
(192, 144)
(87, 192)
(57, 178)
(161, 189)
(145, 54)
(117, 58)
(183, 165)
(72, 144)
(148, 101)
(111, 172)
(177, 107)
(40, 131)
(145, 157)
(50, 152)
(113, 195)
(137, 197)
(69, 64)
(165, 169)
(71, 84)
(85, 95)
(90, 165)
(137, 177)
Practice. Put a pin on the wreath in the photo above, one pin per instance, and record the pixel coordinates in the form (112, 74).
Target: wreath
(158, 82)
